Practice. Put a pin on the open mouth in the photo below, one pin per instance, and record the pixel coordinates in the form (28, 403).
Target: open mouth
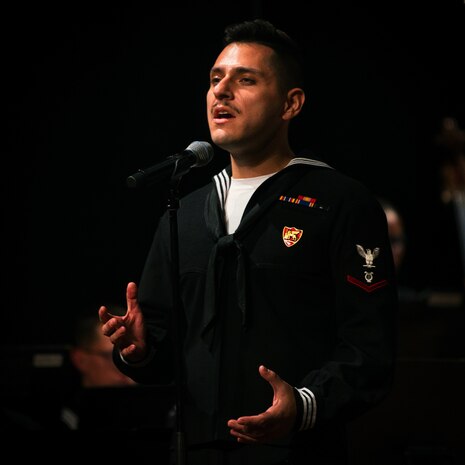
(222, 114)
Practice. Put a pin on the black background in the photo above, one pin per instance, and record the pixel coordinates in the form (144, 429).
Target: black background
(94, 93)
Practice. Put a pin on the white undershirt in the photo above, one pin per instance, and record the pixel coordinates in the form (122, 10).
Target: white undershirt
(238, 196)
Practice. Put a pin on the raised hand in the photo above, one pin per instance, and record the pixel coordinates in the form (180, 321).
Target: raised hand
(126, 332)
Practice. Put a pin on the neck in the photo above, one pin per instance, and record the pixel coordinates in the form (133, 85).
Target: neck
(251, 166)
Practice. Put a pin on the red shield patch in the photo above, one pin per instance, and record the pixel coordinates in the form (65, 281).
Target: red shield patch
(291, 235)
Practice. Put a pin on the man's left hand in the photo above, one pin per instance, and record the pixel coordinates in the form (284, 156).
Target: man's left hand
(276, 422)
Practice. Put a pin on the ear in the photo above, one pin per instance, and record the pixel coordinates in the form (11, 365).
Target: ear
(294, 103)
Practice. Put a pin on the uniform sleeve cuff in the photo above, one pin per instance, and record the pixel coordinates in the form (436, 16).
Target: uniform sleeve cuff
(142, 362)
(306, 409)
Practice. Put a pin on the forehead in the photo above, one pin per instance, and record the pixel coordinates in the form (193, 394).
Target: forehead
(249, 55)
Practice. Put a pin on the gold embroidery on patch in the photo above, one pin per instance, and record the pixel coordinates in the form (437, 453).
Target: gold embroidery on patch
(291, 235)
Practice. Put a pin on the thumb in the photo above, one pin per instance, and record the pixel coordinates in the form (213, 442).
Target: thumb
(269, 375)
(131, 296)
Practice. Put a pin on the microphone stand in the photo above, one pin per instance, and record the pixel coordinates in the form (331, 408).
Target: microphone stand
(137, 180)
(173, 206)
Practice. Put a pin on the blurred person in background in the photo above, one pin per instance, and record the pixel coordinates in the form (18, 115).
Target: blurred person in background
(408, 295)
(396, 231)
(91, 355)
(450, 142)
(92, 365)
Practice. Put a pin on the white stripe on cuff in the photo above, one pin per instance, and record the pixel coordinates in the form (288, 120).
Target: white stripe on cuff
(309, 409)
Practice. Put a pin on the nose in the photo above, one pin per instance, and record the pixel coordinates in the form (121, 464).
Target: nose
(222, 89)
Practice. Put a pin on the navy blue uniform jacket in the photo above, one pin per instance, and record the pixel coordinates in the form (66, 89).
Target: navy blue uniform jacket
(305, 286)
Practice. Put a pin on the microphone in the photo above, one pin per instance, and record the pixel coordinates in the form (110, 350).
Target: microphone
(197, 154)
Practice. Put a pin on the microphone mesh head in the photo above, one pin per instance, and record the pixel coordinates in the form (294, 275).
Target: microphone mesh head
(203, 152)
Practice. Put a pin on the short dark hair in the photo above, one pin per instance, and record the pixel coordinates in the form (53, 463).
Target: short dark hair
(289, 55)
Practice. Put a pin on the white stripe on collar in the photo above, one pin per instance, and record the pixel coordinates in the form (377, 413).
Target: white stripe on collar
(308, 161)
(223, 180)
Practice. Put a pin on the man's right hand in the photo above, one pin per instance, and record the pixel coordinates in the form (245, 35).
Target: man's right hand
(128, 332)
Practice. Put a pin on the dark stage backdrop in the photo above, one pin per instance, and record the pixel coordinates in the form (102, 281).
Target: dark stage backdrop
(94, 93)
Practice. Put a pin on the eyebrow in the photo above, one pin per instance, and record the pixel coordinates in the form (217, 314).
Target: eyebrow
(238, 70)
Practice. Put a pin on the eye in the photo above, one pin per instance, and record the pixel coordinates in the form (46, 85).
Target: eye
(214, 80)
(247, 81)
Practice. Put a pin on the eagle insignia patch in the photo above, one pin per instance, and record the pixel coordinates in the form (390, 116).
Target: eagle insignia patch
(370, 285)
(368, 254)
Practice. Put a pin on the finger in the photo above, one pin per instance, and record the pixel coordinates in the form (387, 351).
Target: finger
(117, 335)
(245, 431)
(243, 438)
(250, 426)
(131, 296)
(272, 377)
(263, 432)
(128, 351)
(267, 374)
(254, 421)
(112, 324)
(103, 314)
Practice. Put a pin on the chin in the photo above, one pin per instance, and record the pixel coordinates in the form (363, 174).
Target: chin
(222, 140)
